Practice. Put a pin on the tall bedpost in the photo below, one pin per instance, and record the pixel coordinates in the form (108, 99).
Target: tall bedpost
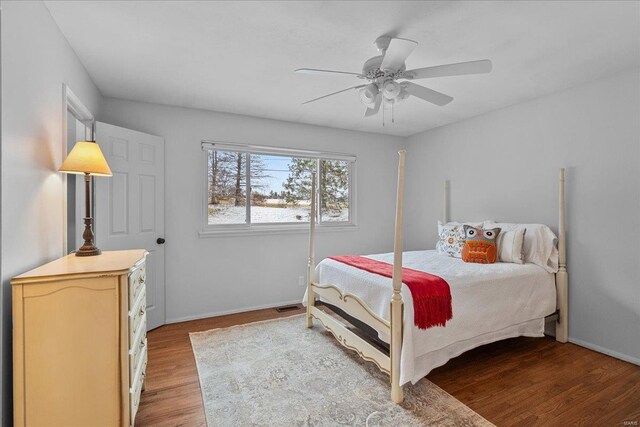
(562, 277)
(310, 261)
(397, 306)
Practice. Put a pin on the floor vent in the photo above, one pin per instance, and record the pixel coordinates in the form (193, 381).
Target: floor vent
(285, 308)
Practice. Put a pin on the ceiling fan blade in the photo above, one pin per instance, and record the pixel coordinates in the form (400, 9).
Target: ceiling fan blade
(459, 69)
(372, 111)
(428, 95)
(317, 71)
(397, 53)
(334, 93)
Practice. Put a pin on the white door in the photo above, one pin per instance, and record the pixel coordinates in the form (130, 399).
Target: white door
(129, 206)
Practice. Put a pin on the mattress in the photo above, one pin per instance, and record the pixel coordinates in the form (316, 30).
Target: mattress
(490, 302)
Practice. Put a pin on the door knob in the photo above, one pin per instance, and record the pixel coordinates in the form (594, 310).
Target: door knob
(160, 241)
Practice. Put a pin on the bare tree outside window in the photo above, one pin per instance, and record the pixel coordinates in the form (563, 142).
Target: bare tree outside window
(279, 187)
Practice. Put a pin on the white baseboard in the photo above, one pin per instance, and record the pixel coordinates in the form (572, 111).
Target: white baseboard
(233, 311)
(625, 357)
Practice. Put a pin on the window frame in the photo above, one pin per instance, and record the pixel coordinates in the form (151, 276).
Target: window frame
(213, 230)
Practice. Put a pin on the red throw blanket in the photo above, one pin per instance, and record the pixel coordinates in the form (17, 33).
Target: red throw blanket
(431, 294)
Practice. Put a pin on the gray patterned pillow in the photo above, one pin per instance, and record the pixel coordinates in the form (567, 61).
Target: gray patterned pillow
(451, 239)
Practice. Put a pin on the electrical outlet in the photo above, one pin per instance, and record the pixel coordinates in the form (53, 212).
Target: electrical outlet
(301, 281)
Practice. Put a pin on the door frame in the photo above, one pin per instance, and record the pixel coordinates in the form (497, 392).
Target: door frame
(71, 102)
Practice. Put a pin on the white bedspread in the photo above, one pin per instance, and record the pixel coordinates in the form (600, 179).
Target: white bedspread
(490, 302)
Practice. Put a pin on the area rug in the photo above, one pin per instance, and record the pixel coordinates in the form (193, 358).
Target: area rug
(279, 373)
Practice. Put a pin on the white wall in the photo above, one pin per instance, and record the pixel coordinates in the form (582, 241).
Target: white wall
(504, 166)
(207, 276)
(36, 61)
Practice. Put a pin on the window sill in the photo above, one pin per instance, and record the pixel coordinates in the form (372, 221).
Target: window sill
(270, 230)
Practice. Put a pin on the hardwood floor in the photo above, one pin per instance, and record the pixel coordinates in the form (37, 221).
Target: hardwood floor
(521, 381)
(538, 381)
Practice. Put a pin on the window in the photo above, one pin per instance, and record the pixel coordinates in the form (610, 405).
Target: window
(257, 186)
(227, 174)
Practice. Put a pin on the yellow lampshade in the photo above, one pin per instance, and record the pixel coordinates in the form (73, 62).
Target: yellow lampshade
(86, 158)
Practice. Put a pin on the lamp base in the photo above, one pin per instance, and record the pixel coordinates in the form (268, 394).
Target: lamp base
(88, 248)
(88, 251)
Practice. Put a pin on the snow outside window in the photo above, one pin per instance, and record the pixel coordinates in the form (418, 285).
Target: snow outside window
(252, 188)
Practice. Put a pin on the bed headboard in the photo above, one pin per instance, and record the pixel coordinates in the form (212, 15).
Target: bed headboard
(562, 277)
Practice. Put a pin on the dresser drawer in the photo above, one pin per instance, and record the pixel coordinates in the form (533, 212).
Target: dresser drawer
(137, 315)
(136, 284)
(137, 349)
(136, 386)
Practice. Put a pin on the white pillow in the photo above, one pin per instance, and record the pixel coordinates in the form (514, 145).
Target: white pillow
(540, 243)
(451, 238)
(511, 245)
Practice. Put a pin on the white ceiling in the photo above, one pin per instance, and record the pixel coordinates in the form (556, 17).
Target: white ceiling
(239, 56)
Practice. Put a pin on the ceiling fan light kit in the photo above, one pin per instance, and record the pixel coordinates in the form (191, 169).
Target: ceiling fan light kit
(368, 94)
(390, 90)
(383, 72)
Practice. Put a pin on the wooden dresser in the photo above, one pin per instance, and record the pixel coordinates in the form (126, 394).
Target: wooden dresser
(79, 341)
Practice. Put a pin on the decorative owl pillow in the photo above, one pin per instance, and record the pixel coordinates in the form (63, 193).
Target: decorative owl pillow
(481, 245)
(451, 238)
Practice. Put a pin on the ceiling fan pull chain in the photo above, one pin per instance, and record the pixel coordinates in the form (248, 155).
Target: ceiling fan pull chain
(383, 103)
(393, 120)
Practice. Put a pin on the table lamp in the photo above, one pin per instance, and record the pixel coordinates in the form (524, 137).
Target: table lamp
(86, 159)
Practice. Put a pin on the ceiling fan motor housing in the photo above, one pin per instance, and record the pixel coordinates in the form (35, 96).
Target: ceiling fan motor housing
(371, 69)
(372, 65)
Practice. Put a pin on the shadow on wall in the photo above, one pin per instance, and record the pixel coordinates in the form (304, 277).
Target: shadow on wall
(590, 278)
(42, 149)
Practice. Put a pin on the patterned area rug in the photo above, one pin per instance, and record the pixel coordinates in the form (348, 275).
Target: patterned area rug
(279, 373)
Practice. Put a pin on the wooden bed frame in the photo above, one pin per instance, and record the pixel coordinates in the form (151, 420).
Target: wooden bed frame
(356, 309)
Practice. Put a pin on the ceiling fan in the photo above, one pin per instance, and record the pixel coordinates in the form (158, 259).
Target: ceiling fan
(384, 71)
